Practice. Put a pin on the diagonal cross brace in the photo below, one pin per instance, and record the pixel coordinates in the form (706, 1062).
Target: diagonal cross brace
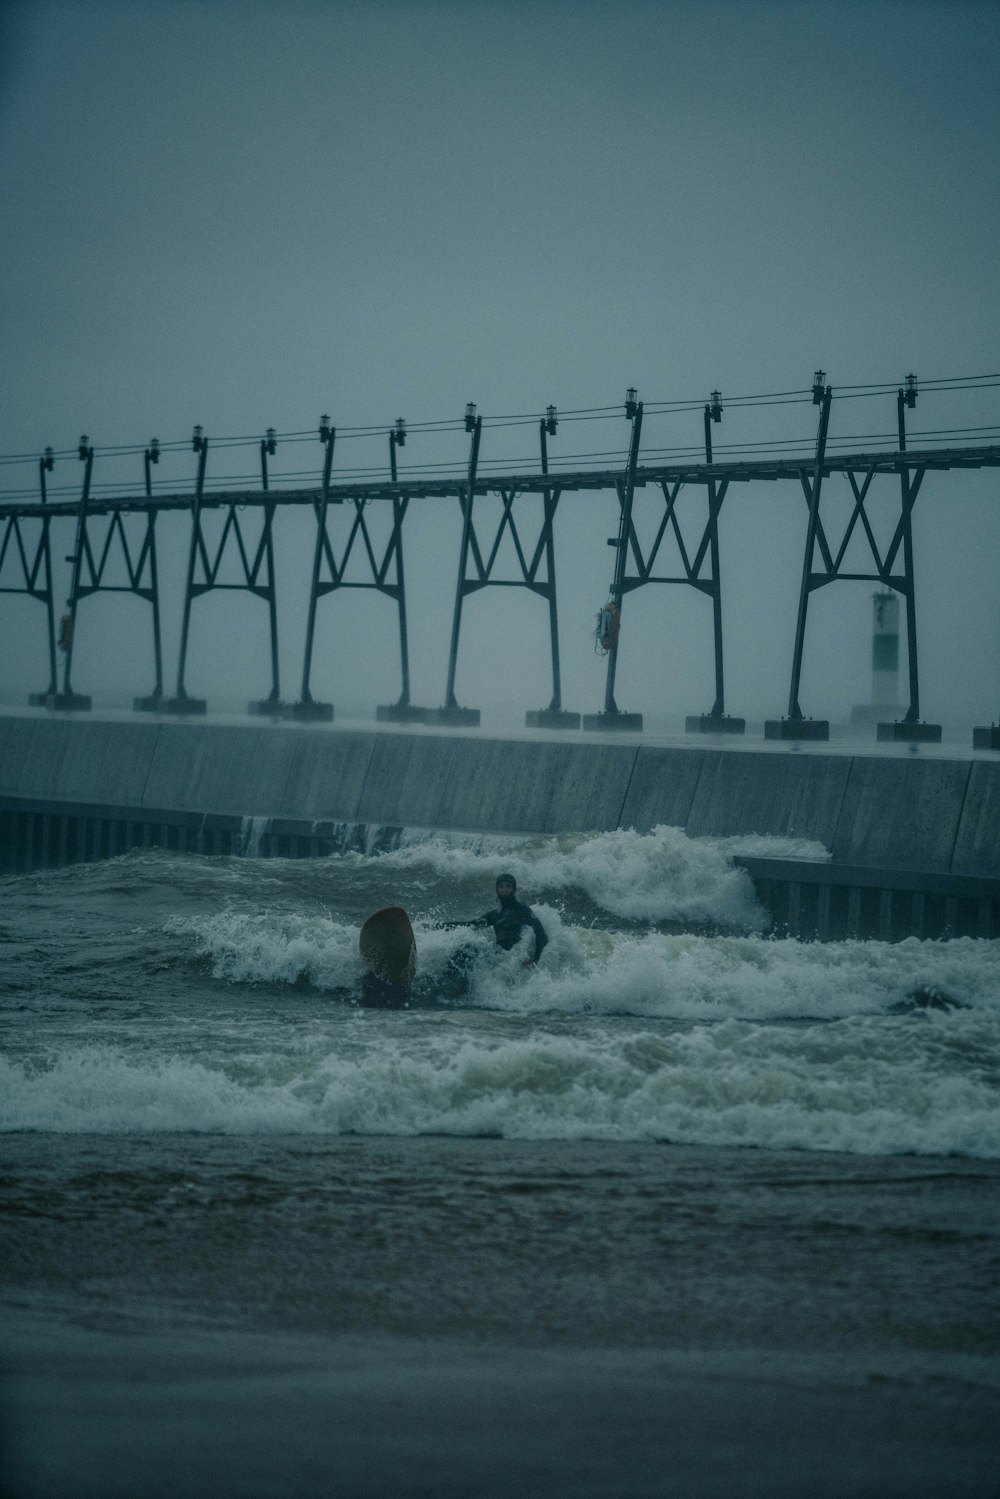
(135, 569)
(30, 570)
(529, 570)
(379, 569)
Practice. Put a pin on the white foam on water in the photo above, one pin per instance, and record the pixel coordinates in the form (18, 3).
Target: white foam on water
(691, 977)
(106, 1090)
(624, 1031)
(768, 846)
(274, 947)
(252, 830)
(681, 976)
(909, 1085)
(657, 876)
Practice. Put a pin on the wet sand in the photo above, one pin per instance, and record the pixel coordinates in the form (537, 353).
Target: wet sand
(102, 1411)
(422, 1318)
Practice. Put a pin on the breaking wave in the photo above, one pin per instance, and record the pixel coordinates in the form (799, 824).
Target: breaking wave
(175, 993)
(657, 876)
(848, 1087)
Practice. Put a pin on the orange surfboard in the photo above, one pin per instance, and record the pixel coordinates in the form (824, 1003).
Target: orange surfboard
(388, 946)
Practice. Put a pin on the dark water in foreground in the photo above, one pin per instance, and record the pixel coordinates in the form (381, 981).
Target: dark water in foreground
(688, 1212)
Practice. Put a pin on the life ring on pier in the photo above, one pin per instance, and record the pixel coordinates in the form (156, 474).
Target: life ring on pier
(608, 625)
(66, 632)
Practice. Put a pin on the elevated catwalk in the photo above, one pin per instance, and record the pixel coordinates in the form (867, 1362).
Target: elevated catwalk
(351, 551)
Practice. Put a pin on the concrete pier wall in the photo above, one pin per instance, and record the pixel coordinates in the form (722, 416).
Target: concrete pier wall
(929, 827)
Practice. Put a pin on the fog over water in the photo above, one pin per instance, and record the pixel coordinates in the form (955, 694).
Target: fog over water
(245, 216)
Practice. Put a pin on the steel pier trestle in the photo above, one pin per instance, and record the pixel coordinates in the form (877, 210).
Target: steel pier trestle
(246, 546)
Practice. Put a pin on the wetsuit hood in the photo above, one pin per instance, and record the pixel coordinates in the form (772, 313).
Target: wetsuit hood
(506, 900)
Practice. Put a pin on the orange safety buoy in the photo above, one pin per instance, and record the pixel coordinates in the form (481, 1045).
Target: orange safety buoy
(608, 625)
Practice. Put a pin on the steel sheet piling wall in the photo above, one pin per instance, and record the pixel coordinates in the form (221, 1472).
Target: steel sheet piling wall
(915, 844)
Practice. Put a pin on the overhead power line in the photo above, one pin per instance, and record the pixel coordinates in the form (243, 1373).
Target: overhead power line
(445, 426)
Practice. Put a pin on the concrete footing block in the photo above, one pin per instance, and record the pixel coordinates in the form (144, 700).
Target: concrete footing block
(64, 702)
(615, 723)
(714, 723)
(986, 736)
(403, 713)
(151, 704)
(551, 718)
(195, 707)
(269, 707)
(867, 715)
(310, 712)
(909, 733)
(455, 717)
(797, 728)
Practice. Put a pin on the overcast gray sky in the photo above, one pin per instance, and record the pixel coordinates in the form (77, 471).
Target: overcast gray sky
(247, 214)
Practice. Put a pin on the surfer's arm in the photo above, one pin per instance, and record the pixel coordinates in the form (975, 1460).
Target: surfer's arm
(541, 936)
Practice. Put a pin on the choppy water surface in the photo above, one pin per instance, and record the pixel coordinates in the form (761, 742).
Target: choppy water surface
(762, 1165)
(160, 993)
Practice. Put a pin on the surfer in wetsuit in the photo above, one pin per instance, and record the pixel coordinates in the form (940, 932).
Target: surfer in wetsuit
(508, 921)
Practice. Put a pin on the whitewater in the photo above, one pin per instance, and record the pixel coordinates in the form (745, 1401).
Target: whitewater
(169, 992)
(684, 1191)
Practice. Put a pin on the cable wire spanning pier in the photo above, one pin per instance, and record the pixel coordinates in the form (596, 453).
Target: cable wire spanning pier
(102, 542)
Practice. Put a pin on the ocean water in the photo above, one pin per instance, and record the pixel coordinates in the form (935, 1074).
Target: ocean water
(684, 1200)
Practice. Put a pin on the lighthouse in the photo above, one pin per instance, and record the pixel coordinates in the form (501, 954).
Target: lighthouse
(885, 650)
(885, 662)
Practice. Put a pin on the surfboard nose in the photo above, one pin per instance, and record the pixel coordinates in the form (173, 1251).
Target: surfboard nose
(388, 946)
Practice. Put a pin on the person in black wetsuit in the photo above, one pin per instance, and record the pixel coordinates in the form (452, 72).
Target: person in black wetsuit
(508, 922)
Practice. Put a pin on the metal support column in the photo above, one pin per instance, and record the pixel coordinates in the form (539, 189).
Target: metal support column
(795, 726)
(554, 716)
(153, 702)
(451, 713)
(612, 717)
(906, 506)
(181, 703)
(45, 466)
(306, 707)
(717, 721)
(270, 706)
(550, 564)
(40, 699)
(719, 706)
(402, 711)
(398, 436)
(398, 512)
(67, 698)
(911, 728)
